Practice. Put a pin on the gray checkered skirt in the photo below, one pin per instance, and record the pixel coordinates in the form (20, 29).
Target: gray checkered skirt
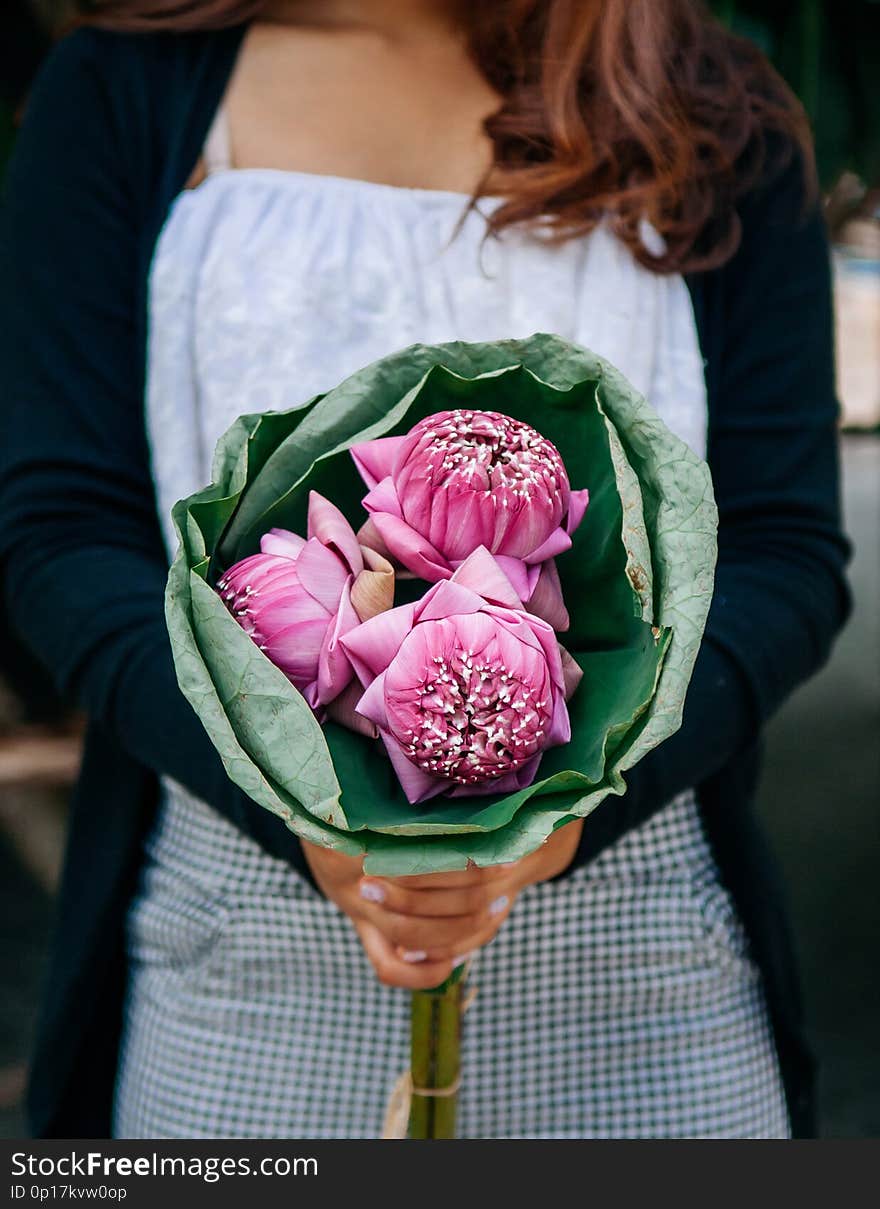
(619, 1002)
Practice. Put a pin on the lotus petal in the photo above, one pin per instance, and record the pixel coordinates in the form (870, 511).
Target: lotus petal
(577, 506)
(343, 710)
(322, 573)
(557, 543)
(282, 542)
(373, 590)
(375, 459)
(417, 785)
(406, 546)
(329, 526)
(371, 646)
(484, 574)
(546, 600)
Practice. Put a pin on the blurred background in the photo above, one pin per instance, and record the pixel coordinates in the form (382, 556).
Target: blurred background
(820, 797)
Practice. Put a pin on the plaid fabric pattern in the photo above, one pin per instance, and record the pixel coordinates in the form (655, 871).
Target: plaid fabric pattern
(618, 1003)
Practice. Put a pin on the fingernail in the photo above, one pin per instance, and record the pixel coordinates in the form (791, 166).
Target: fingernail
(414, 955)
(459, 961)
(500, 904)
(372, 892)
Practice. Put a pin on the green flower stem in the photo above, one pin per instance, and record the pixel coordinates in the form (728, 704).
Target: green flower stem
(435, 1059)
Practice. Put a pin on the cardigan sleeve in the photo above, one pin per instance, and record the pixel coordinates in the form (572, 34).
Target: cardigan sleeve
(82, 559)
(766, 330)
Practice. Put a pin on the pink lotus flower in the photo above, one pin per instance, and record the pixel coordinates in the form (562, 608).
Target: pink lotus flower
(466, 695)
(299, 596)
(462, 479)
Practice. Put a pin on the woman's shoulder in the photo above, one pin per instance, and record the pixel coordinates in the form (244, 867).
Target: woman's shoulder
(121, 114)
(148, 71)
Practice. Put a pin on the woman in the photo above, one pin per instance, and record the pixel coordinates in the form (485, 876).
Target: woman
(275, 194)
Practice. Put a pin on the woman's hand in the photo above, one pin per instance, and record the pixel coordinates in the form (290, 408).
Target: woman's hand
(416, 929)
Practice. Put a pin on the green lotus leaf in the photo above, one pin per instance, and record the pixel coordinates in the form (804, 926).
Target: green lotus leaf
(637, 582)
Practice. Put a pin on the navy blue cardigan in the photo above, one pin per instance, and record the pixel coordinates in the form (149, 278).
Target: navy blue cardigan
(113, 130)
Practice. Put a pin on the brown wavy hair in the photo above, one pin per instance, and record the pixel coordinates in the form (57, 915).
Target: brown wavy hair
(630, 109)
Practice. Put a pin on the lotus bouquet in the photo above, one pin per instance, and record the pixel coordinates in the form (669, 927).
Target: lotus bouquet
(369, 605)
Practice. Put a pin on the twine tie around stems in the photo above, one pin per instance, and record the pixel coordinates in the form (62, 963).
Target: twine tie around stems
(399, 1106)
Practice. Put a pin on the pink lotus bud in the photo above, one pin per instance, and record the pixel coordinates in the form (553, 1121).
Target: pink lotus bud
(466, 695)
(300, 595)
(461, 479)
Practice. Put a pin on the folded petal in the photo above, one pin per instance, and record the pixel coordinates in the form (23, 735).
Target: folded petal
(408, 547)
(560, 727)
(329, 526)
(372, 645)
(557, 543)
(322, 573)
(383, 498)
(282, 542)
(546, 599)
(521, 575)
(484, 574)
(371, 703)
(374, 459)
(373, 590)
(447, 599)
(335, 672)
(572, 672)
(577, 506)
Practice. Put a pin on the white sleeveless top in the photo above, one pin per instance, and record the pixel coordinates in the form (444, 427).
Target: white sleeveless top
(269, 287)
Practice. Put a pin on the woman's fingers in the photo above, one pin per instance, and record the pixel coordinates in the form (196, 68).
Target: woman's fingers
(413, 932)
(465, 944)
(401, 898)
(473, 876)
(438, 938)
(391, 968)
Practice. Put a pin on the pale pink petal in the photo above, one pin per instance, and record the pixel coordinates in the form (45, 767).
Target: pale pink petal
(521, 575)
(383, 498)
(374, 459)
(323, 573)
(271, 614)
(560, 726)
(557, 543)
(334, 668)
(447, 599)
(545, 636)
(371, 703)
(296, 649)
(577, 506)
(257, 572)
(282, 542)
(329, 526)
(546, 599)
(372, 645)
(408, 547)
(483, 574)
